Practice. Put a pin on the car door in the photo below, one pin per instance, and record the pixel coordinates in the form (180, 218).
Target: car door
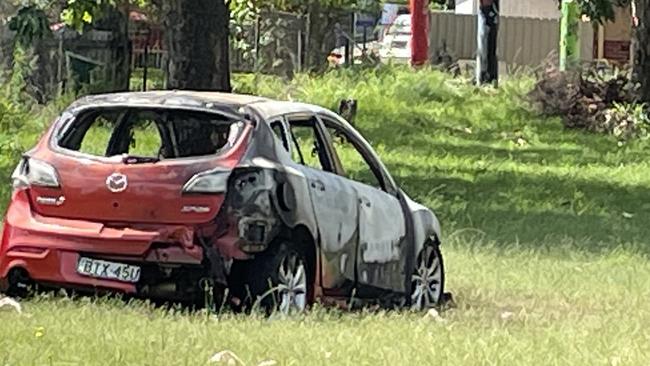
(333, 201)
(382, 248)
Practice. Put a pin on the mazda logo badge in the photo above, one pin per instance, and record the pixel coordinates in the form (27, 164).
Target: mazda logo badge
(117, 182)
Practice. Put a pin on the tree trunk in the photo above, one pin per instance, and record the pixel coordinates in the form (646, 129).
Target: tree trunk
(117, 22)
(196, 36)
(642, 56)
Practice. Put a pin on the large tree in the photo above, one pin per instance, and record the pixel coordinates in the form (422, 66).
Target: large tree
(196, 36)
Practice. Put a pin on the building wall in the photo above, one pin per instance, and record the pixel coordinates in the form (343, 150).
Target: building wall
(542, 9)
(522, 41)
(617, 36)
(466, 6)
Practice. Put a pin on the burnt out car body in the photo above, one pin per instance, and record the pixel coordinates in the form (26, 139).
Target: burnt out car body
(155, 194)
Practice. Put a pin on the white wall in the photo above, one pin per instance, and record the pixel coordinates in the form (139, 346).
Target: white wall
(466, 6)
(543, 9)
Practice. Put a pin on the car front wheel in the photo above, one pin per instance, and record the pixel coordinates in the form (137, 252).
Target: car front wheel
(428, 278)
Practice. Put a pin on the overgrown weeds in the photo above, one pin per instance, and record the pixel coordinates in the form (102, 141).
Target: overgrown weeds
(22, 121)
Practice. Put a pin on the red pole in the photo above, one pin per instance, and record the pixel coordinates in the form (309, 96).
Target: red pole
(420, 32)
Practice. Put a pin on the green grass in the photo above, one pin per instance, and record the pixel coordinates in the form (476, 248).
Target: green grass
(580, 310)
(155, 79)
(544, 236)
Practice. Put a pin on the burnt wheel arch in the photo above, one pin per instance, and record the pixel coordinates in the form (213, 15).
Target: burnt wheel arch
(248, 279)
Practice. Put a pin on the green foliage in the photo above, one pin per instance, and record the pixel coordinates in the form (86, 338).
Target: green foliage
(23, 64)
(155, 79)
(30, 24)
(600, 11)
(80, 13)
(22, 121)
(13, 116)
(243, 14)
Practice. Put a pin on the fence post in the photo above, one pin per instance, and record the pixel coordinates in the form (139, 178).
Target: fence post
(349, 48)
(419, 31)
(299, 50)
(59, 66)
(487, 63)
(569, 35)
(146, 60)
(257, 35)
(307, 44)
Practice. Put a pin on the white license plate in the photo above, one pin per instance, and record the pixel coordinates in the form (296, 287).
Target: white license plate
(108, 270)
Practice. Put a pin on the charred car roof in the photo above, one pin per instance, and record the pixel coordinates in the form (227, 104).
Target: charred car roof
(216, 101)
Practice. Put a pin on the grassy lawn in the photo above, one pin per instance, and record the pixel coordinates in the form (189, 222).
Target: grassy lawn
(545, 241)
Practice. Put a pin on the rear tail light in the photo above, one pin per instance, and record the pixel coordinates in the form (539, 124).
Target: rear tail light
(32, 172)
(209, 182)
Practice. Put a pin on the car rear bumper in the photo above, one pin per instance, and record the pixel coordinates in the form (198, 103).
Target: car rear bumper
(48, 249)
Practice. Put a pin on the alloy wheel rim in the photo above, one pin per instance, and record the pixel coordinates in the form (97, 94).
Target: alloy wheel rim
(426, 281)
(292, 286)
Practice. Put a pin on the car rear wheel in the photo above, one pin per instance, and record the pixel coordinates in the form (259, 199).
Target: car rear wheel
(279, 280)
(428, 279)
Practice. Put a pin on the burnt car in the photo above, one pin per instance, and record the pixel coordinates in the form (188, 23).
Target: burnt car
(173, 194)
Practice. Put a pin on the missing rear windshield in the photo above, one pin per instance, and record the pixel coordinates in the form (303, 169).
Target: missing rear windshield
(150, 134)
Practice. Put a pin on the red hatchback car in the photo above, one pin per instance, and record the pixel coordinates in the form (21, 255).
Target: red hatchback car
(158, 194)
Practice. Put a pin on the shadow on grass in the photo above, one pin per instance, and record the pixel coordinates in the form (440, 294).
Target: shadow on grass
(536, 211)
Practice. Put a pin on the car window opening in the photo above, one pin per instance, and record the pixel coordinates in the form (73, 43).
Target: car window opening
(149, 135)
(278, 130)
(308, 147)
(354, 165)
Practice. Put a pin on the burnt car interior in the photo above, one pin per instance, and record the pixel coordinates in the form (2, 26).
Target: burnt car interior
(149, 134)
(346, 159)
(355, 164)
(308, 146)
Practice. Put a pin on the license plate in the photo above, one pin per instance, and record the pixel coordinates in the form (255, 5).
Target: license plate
(108, 270)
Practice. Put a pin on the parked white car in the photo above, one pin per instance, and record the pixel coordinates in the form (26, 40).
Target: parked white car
(396, 45)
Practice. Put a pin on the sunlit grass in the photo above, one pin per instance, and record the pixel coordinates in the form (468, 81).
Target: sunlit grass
(514, 307)
(544, 236)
